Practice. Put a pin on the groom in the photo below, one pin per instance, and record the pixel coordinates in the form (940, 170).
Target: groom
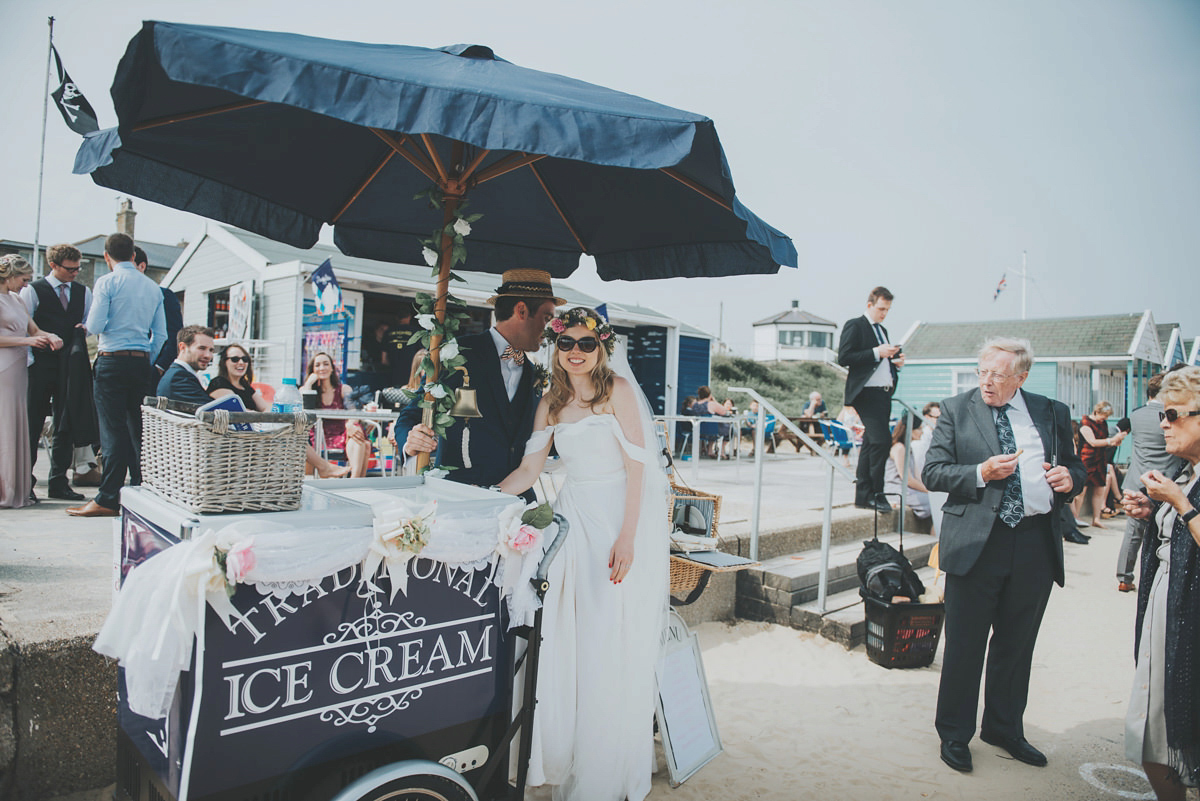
(502, 378)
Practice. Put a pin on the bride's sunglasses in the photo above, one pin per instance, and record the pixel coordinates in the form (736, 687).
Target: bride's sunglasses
(238, 359)
(586, 344)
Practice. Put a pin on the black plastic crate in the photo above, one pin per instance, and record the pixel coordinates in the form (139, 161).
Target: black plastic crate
(903, 635)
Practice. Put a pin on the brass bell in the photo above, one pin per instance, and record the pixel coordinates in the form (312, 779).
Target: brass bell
(465, 404)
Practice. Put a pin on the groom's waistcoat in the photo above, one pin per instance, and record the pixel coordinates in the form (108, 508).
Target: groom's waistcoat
(495, 441)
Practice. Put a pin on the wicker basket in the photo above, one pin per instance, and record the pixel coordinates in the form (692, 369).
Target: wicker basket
(687, 493)
(205, 467)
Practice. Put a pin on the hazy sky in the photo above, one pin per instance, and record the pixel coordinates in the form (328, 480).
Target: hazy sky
(922, 145)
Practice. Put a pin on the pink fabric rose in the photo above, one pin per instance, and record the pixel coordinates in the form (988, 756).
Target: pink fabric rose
(558, 325)
(239, 561)
(524, 539)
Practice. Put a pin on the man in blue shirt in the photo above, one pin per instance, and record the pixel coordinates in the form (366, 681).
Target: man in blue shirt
(127, 315)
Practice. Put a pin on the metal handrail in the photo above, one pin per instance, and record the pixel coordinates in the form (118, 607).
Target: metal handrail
(765, 408)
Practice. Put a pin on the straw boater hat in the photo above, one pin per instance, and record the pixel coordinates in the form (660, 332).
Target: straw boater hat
(526, 284)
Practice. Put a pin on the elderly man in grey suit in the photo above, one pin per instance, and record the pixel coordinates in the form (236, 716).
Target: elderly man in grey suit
(1005, 458)
(1149, 453)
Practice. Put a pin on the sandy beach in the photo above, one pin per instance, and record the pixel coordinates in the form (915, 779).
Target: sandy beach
(802, 717)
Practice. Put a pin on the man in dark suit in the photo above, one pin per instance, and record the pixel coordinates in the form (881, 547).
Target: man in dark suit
(181, 381)
(1149, 453)
(486, 449)
(59, 305)
(874, 366)
(1006, 459)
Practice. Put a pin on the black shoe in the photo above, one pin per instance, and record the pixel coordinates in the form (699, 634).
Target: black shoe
(64, 494)
(1075, 537)
(883, 506)
(33, 498)
(1019, 748)
(957, 755)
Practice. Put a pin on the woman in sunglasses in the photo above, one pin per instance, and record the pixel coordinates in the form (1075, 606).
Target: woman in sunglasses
(235, 376)
(604, 611)
(1162, 727)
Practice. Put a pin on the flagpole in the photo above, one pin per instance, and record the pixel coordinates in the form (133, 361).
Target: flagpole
(37, 225)
(1024, 282)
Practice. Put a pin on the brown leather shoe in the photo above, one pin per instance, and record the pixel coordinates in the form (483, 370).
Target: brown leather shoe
(89, 479)
(92, 509)
(1125, 586)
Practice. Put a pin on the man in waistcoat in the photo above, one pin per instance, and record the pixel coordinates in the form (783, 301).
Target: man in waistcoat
(59, 305)
(503, 381)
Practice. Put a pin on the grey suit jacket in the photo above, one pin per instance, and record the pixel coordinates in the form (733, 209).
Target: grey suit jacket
(1149, 447)
(964, 437)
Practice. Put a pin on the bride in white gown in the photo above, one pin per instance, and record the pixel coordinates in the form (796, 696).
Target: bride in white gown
(604, 613)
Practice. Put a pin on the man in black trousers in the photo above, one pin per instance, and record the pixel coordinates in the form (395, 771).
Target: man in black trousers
(874, 364)
(59, 305)
(1006, 459)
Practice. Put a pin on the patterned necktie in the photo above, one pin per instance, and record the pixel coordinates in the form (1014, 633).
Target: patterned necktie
(62, 296)
(1012, 503)
(513, 355)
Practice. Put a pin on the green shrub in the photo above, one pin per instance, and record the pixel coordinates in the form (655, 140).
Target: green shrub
(785, 385)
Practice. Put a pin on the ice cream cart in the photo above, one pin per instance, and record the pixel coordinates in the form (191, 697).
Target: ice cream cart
(335, 685)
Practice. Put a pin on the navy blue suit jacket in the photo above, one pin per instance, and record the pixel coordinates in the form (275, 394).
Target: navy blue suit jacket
(180, 385)
(496, 440)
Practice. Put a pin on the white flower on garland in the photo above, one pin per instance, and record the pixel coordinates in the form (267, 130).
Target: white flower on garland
(436, 390)
(426, 321)
(462, 227)
(449, 349)
(430, 255)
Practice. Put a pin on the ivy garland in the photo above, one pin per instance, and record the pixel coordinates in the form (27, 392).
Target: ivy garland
(450, 357)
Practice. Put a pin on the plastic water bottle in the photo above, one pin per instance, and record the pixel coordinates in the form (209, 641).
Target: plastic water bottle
(287, 399)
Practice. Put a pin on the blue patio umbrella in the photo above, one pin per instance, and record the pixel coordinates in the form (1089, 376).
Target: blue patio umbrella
(278, 134)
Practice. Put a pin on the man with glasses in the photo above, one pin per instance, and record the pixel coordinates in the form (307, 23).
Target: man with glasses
(484, 451)
(59, 305)
(873, 366)
(1006, 459)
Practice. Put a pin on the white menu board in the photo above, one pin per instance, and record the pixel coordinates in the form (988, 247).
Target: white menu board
(685, 714)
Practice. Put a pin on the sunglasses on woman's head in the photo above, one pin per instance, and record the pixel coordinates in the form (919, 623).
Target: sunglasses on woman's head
(586, 344)
(1171, 415)
(245, 359)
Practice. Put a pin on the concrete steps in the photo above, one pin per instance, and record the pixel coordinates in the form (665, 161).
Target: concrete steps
(784, 589)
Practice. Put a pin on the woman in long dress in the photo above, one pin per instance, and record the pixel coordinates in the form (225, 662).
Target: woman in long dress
(17, 332)
(603, 616)
(1162, 726)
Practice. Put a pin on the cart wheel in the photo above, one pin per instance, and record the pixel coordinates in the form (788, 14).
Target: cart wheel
(411, 780)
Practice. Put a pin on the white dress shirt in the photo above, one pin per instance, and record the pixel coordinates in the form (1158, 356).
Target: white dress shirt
(509, 370)
(1035, 490)
(29, 295)
(882, 376)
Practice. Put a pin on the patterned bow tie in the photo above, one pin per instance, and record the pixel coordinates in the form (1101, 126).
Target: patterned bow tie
(513, 355)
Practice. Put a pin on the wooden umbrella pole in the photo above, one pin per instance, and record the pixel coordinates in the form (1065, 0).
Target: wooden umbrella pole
(449, 206)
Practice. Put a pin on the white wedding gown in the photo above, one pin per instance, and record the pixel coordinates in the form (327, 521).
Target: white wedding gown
(593, 727)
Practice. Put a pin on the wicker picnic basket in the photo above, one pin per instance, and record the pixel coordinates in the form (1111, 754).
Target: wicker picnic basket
(205, 466)
(686, 574)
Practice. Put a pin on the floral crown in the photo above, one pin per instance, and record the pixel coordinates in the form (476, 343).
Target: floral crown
(587, 318)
